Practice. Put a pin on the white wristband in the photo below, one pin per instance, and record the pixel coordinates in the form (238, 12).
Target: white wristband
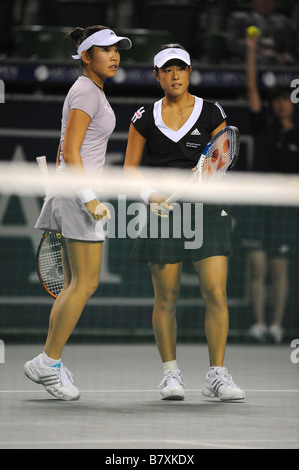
(86, 195)
(145, 194)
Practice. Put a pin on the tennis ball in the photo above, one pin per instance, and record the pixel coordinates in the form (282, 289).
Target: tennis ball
(253, 31)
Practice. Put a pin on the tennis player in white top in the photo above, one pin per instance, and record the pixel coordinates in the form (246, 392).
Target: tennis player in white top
(87, 123)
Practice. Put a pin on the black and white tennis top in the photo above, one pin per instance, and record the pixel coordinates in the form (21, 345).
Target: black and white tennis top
(182, 148)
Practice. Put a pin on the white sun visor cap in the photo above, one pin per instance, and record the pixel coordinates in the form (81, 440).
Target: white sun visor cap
(169, 54)
(105, 37)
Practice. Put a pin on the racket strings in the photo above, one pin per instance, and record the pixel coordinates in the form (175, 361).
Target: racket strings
(220, 155)
(50, 265)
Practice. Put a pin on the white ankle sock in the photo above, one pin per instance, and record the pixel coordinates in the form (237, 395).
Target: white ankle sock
(170, 365)
(214, 368)
(50, 362)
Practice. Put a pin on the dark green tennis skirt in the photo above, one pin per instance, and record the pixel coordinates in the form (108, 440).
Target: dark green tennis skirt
(188, 234)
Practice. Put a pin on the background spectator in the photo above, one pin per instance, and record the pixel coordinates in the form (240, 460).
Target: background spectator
(277, 44)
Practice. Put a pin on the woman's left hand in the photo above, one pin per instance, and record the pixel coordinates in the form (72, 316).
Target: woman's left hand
(98, 210)
(161, 209)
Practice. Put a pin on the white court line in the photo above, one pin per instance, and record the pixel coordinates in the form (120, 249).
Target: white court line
(227, 444)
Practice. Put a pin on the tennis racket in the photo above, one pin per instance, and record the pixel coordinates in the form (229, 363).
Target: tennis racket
(49, 263)
(219, 156)
(48, 255)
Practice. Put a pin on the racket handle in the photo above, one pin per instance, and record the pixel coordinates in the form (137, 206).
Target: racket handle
(43, 168)
(177, 194)
(173, 197)
(42, 164)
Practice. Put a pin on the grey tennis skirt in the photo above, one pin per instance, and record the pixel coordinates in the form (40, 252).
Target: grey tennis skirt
(66, 214)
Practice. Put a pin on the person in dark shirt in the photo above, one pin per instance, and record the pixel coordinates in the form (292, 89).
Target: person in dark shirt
(269, 238)
(277, 45)
(276, 130)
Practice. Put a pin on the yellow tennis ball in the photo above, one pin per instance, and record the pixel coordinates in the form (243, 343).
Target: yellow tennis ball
(253, 31)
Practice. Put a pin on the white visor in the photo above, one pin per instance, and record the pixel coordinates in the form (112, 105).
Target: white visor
(169, 54)
(106, 37)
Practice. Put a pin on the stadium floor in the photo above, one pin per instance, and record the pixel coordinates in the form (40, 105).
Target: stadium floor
(120, 406)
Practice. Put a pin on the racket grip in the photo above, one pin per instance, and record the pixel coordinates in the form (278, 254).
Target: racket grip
(177, 194)
(173, 197)
(42, 165)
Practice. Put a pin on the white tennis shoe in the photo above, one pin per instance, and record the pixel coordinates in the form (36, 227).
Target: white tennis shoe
(275, 333)
(257, 332)
(172, 386)
(219, 383)
(57, 380)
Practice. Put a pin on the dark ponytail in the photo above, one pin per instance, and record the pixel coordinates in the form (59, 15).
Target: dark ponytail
(78, 35)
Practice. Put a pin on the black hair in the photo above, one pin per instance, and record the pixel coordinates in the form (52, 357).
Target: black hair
(278, 92)
(170, 46)
(78, 35)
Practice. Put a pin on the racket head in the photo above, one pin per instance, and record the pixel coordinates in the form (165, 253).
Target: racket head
(220, 155)
(49, 263)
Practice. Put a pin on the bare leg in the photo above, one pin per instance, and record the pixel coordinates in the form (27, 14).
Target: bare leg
(280, 283)
(166, 283)
(212, 274)
(258, 270)
(83, 263)
(67, 276)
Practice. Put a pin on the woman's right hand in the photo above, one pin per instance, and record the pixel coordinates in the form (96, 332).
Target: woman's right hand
(159, 206)
(98, 210)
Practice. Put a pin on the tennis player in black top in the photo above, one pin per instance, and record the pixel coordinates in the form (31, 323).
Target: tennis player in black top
(175, 130)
